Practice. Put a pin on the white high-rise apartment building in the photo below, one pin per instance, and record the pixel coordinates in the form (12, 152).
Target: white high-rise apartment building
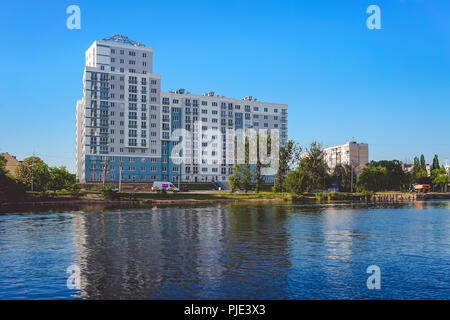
(125, 124)
(351, 153)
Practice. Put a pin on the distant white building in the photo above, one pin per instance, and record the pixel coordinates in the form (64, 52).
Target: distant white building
(407, 167)
(351, 153)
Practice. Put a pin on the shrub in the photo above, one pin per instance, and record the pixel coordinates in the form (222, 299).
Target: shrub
(44, 194)
(367, 194)
(109, 193)
(296, 182)
(11, 189)
(75, 191)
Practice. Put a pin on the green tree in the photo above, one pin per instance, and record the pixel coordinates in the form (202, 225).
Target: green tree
(423, 164)
(372, 178)
(257, 175)
(24, 170)
(297, 181)
(10, 188)
(2, 165)
(41, 177)
(419, 173)
(246, 173)
(435, 164)
(440, 177)
(234, 179)
(396, 178)
(342, 175)
(288, 157)
(421, 176)
(315, 166)
(416, 163)
(60, 178)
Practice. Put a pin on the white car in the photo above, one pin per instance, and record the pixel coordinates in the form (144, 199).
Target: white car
(160, 185)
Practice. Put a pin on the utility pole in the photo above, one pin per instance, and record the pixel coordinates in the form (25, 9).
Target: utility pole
(351, 177)
(105, 168)
(120, 175)
(179, 177)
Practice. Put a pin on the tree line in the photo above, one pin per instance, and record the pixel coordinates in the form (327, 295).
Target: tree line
(300, 173)
(34, 173)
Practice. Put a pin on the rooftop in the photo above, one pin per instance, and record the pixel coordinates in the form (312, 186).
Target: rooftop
(118, 38)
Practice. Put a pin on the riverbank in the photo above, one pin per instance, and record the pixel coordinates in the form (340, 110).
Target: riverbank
(33, 202)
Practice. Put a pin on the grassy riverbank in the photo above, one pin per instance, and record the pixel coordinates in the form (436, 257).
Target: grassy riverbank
(36, 200)
(207, 196)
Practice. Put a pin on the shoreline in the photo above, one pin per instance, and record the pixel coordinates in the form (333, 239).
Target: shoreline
(13, 207)
(99, 203)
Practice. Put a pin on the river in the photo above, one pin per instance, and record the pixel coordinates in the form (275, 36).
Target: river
(230, 251)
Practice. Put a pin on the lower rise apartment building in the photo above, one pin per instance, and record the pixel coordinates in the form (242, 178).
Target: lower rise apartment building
(350, 153)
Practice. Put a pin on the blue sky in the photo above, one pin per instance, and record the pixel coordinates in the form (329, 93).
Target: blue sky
(389, 88)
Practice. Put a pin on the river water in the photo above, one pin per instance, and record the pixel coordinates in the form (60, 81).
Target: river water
(230, 251)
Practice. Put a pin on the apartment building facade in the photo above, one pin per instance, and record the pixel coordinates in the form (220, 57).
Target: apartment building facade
(351, 153)
(127, 129)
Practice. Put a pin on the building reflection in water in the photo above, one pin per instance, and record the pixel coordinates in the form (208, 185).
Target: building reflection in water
(325, 239)
(202, 252)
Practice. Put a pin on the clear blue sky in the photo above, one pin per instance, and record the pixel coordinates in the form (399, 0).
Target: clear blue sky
(389, 88)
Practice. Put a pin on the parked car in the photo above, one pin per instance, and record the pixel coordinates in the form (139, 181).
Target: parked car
(421, 188)
(158, 186)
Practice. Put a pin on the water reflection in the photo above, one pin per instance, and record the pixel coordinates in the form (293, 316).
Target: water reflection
(229, 252)
(185, 252)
